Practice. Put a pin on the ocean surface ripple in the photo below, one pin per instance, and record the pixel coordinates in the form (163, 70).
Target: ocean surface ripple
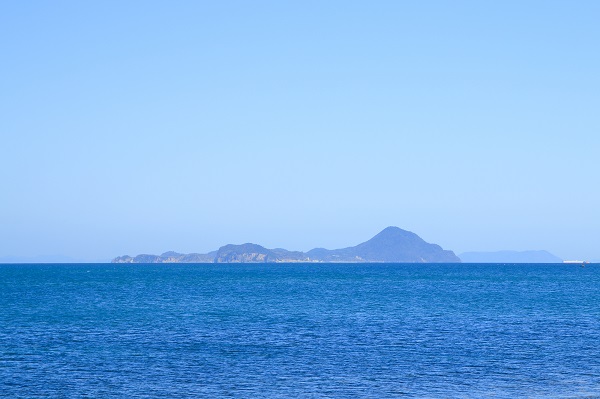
(300, 331)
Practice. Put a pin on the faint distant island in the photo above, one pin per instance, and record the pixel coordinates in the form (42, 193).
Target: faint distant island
(392, 245)
(510, 257)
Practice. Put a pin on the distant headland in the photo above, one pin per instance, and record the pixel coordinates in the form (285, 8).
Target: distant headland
(392, 245)
(510, 257)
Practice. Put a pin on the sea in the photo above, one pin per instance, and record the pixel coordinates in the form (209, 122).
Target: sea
(300, 331)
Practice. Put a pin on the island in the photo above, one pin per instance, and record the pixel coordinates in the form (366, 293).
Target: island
(510, 257)
(391, 245)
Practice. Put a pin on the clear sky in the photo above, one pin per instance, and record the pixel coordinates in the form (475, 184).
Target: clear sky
(141, 127)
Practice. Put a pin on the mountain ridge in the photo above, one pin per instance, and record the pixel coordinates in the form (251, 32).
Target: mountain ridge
(510, 257)
(391, 245)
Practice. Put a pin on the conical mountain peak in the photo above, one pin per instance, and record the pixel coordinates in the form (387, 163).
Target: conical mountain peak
(394, 232)
(392, 245)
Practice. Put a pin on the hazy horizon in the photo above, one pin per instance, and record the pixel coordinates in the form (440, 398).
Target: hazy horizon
(135, 128)
(57, 258)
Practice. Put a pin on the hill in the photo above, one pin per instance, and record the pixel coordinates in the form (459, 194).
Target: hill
(510, 257)
(392, 245)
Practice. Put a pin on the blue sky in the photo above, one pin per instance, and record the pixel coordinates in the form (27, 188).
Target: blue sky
(141, 127)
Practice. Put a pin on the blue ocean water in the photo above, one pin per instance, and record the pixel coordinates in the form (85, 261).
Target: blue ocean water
(300, 331)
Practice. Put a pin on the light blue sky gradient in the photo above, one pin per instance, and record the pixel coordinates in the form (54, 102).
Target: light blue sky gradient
(141, 127)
